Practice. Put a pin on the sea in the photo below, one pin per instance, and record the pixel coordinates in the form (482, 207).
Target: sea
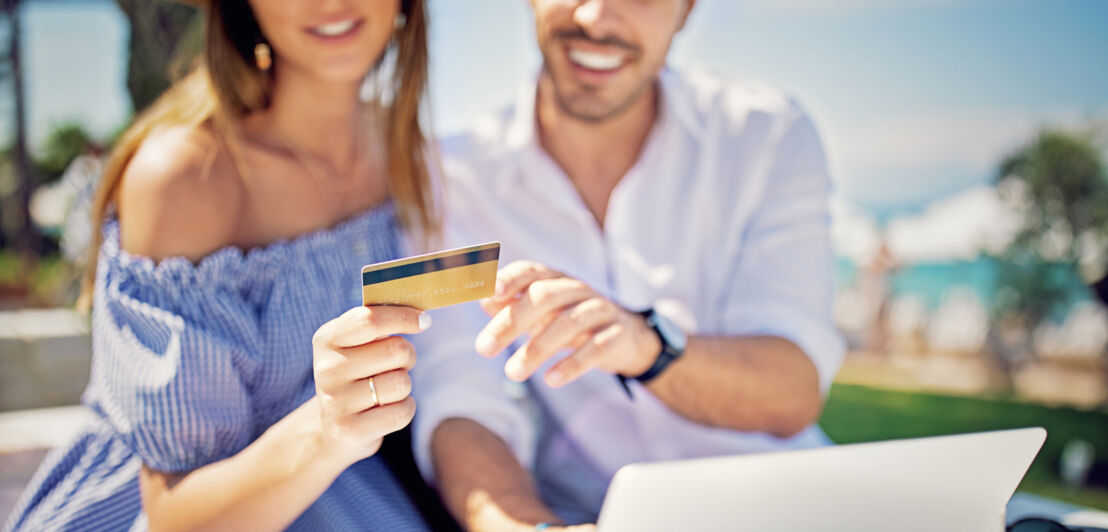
(931, 282)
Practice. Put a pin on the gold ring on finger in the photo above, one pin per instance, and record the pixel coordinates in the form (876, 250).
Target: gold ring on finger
(373, 393)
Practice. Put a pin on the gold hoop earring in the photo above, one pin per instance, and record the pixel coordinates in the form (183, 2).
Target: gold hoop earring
(263, 56)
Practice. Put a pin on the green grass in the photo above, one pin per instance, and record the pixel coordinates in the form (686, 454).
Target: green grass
(858, 414)
(9, 267)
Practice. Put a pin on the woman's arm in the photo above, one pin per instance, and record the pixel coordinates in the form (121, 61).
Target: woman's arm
(267, 485)
(263, 487)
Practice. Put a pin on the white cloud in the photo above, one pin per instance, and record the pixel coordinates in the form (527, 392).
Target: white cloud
(956, 228)
(854, 234)
(975, 139)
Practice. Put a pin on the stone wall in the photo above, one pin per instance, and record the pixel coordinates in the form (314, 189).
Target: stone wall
(44, 358)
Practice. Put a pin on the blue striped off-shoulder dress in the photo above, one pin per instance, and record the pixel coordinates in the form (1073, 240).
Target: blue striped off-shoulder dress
(192, 362)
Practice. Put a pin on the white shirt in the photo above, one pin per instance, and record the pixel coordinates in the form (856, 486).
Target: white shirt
(722, 224)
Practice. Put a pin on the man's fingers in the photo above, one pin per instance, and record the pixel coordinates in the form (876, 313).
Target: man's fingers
(584, 359)
(362, 325)
(566, 329)
(542, 297)
(492, 306)
(580, 341)
(513, 279)
(516, 276)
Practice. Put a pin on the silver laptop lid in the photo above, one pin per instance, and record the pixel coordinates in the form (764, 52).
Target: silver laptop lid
(949, 483)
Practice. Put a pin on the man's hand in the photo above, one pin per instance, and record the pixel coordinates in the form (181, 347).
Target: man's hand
(560, 312)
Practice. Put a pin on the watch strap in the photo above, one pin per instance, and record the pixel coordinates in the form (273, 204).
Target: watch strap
(665, 357)
(668, 354)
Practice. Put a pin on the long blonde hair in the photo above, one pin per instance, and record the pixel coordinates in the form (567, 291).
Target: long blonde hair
(225, 85)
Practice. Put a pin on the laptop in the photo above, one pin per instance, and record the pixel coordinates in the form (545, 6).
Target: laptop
(947, 483)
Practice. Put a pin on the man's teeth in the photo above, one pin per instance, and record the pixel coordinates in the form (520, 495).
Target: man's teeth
(595, 61)
(334, 29)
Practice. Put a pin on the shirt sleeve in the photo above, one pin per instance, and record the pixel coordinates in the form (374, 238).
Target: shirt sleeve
(452, 380)
(170, 352)
(782, 282)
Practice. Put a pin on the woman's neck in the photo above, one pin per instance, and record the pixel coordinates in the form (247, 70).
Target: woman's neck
(322, 118)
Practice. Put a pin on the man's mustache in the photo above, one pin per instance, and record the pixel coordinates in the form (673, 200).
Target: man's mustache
(611, 40)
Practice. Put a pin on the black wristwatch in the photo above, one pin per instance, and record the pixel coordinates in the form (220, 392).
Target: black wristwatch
(673, 341)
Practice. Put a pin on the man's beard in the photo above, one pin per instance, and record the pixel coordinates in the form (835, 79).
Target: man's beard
(593, 113)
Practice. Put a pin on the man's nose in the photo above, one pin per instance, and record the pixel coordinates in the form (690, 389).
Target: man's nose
(598, 18)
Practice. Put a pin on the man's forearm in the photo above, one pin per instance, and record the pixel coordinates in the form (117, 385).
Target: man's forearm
(481, 481)
(756, 383)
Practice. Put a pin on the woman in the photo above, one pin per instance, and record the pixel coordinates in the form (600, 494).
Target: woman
(236, 215)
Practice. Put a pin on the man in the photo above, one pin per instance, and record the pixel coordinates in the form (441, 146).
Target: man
(676, 295)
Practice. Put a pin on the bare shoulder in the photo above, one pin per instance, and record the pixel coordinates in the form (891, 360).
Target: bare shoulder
(176, 199)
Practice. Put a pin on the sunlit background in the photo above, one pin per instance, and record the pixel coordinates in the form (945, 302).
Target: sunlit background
(966, 140)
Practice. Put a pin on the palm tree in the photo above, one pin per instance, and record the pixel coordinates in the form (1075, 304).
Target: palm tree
(162, 34)
(25, 237)
(1060, 184)
(1062, 188)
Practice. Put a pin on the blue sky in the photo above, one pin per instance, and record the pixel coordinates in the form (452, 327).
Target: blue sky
(916, 99)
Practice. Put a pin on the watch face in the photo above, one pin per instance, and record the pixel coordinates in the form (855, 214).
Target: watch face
(671, 332)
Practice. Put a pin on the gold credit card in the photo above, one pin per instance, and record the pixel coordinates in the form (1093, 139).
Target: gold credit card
(433, 280)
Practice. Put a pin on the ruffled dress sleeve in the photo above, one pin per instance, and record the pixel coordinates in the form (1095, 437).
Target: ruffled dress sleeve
(174, 349)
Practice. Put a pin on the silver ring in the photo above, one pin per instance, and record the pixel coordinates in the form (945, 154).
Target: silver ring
(373, 392)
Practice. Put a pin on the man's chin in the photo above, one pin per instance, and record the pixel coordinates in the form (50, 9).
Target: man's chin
(587, 112)
(589, 106)
(595, 104)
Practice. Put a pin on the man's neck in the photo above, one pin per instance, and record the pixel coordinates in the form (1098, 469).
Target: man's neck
(594, 155)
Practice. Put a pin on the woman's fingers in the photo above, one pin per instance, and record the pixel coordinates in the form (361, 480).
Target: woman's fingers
(383, 420)
(360, 433)
(336, 368)
(392, 387)
(362, 325)
(361, 375)
(384, 389)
